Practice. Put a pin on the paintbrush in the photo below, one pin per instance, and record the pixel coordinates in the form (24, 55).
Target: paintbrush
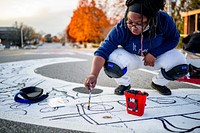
(89, 99)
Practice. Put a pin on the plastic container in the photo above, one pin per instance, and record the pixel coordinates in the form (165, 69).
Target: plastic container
(135, 102)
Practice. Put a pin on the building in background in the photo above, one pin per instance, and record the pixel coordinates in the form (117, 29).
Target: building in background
(191, 21)
(9, 36)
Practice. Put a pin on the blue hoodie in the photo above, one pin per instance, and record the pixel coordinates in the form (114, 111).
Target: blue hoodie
(167, 38)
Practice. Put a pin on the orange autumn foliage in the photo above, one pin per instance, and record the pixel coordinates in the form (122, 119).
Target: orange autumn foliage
(42, 39)
(88, 23)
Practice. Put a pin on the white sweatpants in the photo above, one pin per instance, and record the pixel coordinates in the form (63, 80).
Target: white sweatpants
(167, 61)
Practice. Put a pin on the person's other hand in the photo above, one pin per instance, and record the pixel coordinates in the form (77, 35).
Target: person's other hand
(149, 60)
(90, 82)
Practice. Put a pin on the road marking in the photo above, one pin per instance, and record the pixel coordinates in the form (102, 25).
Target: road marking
(17, 54)
(61, 52)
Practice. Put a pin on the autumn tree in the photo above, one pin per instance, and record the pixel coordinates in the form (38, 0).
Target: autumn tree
(115, 9)
(55, 39)
(68, 37)
(88, 23)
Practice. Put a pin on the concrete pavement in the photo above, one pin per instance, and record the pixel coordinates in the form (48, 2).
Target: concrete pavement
(179, 112)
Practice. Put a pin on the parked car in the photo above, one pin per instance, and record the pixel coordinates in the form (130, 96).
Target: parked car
(76, 45)
(30, 47)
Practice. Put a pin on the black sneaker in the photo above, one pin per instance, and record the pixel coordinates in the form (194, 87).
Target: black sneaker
(194, 71)
(161, 89)
(120, 89)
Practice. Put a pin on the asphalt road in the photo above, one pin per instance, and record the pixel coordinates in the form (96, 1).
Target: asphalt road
(73, 72)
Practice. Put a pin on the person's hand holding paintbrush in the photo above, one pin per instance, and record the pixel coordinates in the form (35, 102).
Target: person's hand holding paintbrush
(90, 89)
(90, 83)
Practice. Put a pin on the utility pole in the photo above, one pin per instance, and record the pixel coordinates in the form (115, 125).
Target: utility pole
(22, 42)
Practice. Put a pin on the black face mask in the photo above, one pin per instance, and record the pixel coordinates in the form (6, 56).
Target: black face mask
(30, 94)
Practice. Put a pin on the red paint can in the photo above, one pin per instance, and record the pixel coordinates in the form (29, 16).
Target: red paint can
(135, 102)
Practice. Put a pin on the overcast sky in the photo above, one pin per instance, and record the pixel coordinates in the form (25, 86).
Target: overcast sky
(49, 16)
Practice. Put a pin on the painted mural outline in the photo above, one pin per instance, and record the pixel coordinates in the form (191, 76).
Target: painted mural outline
(177, 113)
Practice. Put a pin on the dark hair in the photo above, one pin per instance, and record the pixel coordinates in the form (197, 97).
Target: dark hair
(149, 8)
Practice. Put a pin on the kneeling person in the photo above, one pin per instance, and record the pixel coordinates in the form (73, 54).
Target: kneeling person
(145, 38)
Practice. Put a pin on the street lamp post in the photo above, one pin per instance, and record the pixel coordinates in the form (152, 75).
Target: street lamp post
(22, 42)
